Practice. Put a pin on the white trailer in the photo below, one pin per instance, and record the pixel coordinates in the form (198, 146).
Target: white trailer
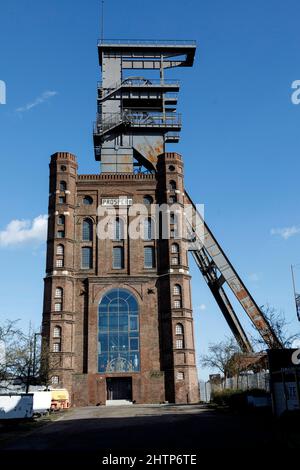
(16, 406)
(41, 403)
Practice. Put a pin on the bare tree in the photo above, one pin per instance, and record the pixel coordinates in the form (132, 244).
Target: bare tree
(17, 352)
(223, 356)
(279, 324)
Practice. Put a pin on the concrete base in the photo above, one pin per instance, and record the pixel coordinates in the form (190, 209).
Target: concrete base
(118, 402)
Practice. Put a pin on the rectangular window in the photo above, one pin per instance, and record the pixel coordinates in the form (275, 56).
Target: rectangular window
(58, 292)
(61, 234)
(59, 263)
(177, 303)
(86, 257)
(134, 344)
(149, 260)
(180, 376)
(118, 257)
(133, 323)
(56, 347)
(61, 200)
(179, 344)
(57, 307)
(174, 260)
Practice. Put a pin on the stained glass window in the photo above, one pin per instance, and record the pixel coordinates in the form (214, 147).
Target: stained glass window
(118, 333)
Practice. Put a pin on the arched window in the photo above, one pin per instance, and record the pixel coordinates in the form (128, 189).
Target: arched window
(60, 250)
(61, 220)
(59, 293)
(118, 229)
(86, 257)
(118, 340)
(175, 248)
(87, 230)
(57, 332)
(179, 329)
(148, 229)
(172, 185)
(148, 200)
(62, 186)
(177, 289)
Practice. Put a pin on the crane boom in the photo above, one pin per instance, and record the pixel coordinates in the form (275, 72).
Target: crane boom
(217, 271)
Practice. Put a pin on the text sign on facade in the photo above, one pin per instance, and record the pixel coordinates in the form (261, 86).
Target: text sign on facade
(116, 201)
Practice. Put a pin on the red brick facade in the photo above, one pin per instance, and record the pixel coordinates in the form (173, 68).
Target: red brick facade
(72, 294)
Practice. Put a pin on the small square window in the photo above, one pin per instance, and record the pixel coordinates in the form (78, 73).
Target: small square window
(61, 200)
(179, 344)
(177, 304)
(61, 234)
(180, 376)
(57, 307)
(55, 380)
(59, 263)
(175, 260)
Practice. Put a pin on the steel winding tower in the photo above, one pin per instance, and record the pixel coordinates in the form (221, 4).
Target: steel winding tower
(136, 115)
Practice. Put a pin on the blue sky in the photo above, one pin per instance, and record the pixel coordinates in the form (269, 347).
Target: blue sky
(240, 139)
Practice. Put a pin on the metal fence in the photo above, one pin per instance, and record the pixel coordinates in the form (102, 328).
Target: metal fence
(259, 380)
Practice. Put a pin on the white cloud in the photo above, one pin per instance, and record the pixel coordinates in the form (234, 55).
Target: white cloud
(39, 100)
(201, 307)
(286, 232)
(23, 231)
(254, 277)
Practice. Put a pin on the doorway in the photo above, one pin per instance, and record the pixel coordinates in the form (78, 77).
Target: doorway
(119, 388)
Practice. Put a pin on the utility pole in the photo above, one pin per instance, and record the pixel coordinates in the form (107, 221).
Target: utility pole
(34, 353)
(29, 365)
(296, 296)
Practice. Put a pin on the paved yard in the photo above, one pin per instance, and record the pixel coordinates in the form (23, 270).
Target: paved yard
(145, 428)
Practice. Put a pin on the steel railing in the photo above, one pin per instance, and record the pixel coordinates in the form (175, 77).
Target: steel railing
(109, 121)
(141, 42)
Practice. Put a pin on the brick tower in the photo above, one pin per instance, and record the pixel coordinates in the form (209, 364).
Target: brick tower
(117, 318)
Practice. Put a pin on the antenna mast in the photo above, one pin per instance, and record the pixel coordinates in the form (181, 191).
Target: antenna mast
(102, 20)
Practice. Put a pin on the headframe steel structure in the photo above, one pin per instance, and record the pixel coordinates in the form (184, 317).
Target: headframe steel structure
(136, 118)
